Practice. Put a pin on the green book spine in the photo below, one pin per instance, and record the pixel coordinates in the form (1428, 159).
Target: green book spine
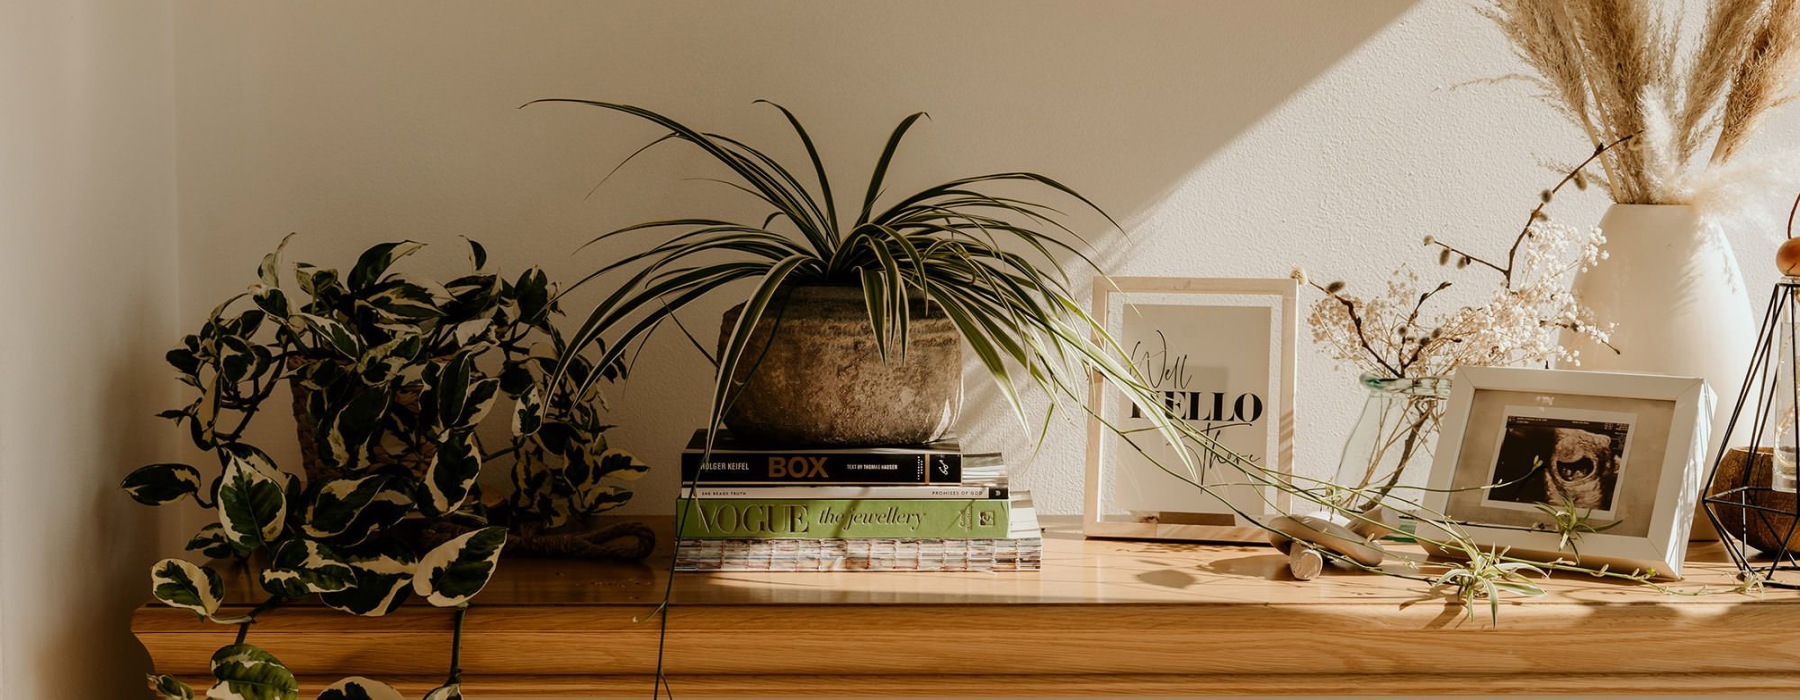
(769, 518)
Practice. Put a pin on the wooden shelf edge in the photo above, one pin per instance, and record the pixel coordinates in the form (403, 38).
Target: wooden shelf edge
(1077, 685)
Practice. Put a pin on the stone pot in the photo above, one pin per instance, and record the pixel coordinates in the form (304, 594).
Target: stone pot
(1759, 528)
(811, 374)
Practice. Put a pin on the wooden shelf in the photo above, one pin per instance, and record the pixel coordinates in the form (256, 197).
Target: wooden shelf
(1102, 617)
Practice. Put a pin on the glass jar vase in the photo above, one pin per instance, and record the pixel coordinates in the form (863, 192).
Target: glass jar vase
(1388, 455)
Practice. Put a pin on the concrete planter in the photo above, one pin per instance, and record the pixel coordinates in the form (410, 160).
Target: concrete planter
(811, 374)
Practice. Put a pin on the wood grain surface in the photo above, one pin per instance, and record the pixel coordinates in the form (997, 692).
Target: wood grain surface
(1102, 617)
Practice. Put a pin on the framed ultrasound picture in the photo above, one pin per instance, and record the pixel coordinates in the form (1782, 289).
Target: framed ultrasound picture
(1625, 452)
(1220, 355)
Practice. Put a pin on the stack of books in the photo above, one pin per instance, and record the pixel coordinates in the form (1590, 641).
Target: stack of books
(924, 508)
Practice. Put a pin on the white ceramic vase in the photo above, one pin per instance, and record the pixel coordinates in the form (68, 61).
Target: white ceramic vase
(1672, 287)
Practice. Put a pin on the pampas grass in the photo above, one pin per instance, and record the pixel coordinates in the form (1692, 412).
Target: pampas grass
(1621, 69)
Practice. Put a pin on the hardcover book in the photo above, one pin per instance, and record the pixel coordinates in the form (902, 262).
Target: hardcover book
(898, 491)
(1021, 550)
(735, 463)
(742, 518)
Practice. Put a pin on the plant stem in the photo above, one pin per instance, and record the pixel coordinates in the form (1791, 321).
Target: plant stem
(456, 646)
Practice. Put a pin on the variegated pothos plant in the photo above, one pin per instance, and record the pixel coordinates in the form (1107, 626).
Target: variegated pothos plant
(395, 374)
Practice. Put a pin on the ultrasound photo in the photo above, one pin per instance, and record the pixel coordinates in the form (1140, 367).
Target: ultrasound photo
(1558, 461)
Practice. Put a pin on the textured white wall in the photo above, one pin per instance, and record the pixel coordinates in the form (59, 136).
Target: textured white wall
(87, 302)
(1233, 139)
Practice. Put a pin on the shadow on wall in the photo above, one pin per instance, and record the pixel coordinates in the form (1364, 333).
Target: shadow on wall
(355, 123)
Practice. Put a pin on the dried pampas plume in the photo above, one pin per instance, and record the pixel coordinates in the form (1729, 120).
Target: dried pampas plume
(1619, 68)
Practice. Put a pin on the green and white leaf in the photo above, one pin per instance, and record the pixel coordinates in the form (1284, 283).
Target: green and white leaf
(383, 580)
(169, 687)
(246, 672)
(339, 502)
(359, 688)
(157, 484)
(376, 261)
(251, 505)
(270, 269)
(619, 464)
(210, 541)
(337, 336)
(301, 567)
(528, 416)
(451, 477)
(184, 584)
(452, 691)
(455, 571)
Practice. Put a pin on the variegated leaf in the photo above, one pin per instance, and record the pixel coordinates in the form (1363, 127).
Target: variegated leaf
(353, 509)
(376, 260)
(456, 570)
(246, 672)
(450, 391)
(211, 542)
(274, 302)
(169, 687)
(269, 270)
(315, 280)
(452, 691)
(481, 398)
(383, 580)
(451, 476)
(528, 416)
(334, 507)
(252, 505)
(186, 585)
(405, 302)
(301, 567)
(157, 484)
(477, 254)
(337, 336)
(619, 464)
(359, 688)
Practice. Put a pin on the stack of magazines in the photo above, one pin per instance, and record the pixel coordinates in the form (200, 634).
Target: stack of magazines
(922, 508)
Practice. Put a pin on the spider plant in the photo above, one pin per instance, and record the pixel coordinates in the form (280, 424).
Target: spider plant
(1486, 575)
(951, 244)
(1571, 522)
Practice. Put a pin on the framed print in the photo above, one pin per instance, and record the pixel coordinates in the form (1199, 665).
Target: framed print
(1626, 451)
(1221, 353)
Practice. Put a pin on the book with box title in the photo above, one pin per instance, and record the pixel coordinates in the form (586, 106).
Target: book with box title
(735, 463)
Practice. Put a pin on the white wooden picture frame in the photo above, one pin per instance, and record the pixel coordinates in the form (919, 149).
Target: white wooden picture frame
(1216, 347)
(1514, 436)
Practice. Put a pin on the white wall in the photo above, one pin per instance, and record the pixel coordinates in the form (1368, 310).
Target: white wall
(87, 300)
(1233, 138)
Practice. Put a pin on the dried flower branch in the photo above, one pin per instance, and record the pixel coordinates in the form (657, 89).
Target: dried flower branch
(1618, 68)
(1392, 336)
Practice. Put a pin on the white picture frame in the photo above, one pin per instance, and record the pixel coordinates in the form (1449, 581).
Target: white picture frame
(1569, 426)
(1250, 326)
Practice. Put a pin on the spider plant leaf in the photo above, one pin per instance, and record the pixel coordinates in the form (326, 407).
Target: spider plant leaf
(881, 166)
(818, 166)
(874, 286)
(733, 352)
(762, 180)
